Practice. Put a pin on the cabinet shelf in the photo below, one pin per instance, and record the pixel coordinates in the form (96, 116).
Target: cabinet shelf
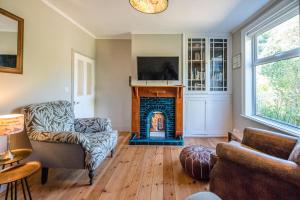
(197, 64)
(196, 60)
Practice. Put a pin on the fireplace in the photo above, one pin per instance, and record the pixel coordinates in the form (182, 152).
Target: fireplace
(153, 109)
(157, 115)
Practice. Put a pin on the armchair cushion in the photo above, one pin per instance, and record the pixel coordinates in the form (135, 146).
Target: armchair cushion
(92, 125)
(100, 144)
(60, 137)
(295, 155)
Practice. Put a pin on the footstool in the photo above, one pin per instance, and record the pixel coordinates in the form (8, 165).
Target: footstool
(196, 161)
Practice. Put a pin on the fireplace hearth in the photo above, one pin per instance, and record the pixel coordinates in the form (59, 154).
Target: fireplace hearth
(157, 115)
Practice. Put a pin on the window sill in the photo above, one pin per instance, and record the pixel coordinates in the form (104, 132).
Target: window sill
(280, 127)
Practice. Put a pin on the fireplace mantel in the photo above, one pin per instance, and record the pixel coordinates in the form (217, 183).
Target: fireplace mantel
(157, 91)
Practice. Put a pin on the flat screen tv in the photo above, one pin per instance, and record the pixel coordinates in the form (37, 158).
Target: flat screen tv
(157, 68)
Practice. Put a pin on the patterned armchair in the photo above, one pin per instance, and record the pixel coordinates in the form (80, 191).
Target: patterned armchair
(61, 141)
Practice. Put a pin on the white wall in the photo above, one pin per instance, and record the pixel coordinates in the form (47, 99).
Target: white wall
(156, 45)
(48, 42)
(116, 61)
(113, 93)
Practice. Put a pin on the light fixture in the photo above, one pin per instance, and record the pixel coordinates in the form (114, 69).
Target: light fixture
(10, 124)
(149, 6)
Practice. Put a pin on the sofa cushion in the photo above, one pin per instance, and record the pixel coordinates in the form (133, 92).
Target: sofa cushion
(295, 155)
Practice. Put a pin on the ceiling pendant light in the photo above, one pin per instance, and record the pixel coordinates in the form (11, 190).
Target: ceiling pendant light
(149, 6)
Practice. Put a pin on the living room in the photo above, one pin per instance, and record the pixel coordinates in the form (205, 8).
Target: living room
(149, 99)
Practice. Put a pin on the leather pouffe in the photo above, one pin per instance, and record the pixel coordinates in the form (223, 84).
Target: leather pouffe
(196, 161)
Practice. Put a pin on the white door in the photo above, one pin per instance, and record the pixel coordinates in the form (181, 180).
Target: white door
(195, 116)
(83, 86)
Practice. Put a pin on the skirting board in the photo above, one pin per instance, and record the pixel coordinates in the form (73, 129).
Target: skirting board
(205, 136)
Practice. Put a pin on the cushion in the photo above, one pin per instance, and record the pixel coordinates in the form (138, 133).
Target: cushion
(53, 116)
(195, 160)
(100, 145)
(295, 155)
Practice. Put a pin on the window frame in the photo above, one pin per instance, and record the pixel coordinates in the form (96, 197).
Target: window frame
(278, 14)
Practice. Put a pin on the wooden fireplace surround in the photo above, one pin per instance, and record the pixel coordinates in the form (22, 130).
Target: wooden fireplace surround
(157, 91)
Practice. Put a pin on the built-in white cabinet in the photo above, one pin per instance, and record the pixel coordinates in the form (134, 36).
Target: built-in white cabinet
(218, 115)
(208, 115)
(207, 75)
(195, 116)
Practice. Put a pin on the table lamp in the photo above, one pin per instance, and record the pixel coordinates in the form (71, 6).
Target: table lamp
(10, 124)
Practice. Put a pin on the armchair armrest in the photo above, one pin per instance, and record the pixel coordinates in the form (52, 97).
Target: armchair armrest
(92, 125)
(260, 162)
(61, 137)
(269, 142)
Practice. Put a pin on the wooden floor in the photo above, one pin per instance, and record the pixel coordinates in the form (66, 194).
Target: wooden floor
(135, 172)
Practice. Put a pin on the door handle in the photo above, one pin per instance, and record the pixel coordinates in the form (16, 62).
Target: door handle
(76, 102)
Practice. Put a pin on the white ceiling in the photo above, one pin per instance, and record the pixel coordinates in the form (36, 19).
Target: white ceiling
(116, 18)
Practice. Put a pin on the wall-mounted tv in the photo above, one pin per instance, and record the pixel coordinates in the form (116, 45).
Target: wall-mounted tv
(157, 68)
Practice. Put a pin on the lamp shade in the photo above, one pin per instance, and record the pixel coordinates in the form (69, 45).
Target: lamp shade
(11, 124)
(149, 6)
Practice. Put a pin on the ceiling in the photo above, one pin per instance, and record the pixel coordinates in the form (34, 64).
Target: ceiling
(117, 19)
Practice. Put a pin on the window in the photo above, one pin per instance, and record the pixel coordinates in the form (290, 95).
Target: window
(272, 55)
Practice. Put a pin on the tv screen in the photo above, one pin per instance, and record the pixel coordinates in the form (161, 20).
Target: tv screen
(157, 68)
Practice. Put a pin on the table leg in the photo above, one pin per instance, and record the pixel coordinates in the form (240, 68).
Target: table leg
(7, 190)
(16, 185)
(11, 190)
(23, 189)
(229, 136)
(28, 189)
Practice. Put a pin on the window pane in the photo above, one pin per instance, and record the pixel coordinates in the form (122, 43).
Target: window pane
(281, 38)
(218, 65)
(80, 78)
(278, 91)
(196, 64)
(89, 78)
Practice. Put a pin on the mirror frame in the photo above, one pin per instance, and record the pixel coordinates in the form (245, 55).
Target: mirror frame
(19, 63)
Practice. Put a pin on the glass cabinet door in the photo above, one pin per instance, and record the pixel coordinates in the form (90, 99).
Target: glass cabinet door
(218, 64)
(196, 64)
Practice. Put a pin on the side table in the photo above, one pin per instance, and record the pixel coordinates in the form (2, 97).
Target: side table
(236, 136)
(19, 154)
(12, 175)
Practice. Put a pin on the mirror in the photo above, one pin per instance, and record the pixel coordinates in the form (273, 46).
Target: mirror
(11, 42)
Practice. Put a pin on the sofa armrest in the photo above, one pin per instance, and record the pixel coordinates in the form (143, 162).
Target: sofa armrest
(260, 162)
(92, 125)
(61, 137)
(269, 142)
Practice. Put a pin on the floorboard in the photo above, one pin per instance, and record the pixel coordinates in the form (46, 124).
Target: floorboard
(135, 172)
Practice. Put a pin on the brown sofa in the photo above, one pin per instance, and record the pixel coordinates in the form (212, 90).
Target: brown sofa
(258, 168)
